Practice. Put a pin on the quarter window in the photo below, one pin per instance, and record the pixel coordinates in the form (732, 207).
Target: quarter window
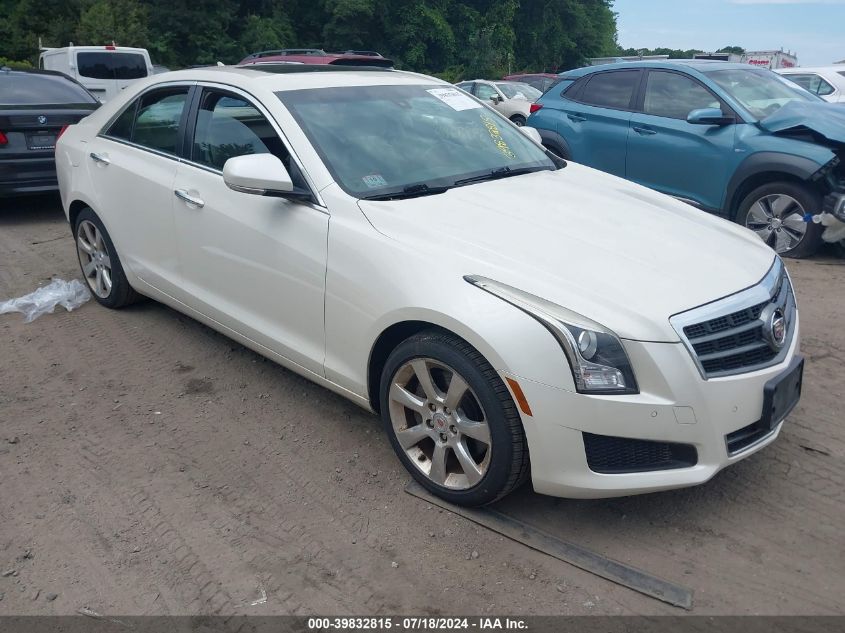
(611, 89)
(228, 126)
(122, 126)
(157, 122)
(674, 96)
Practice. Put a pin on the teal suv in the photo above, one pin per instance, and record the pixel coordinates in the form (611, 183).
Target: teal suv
(731, 139)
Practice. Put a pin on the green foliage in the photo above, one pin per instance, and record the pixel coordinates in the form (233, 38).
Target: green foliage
(673, 53)
(15, 64)
(455, 39)
(121, 21)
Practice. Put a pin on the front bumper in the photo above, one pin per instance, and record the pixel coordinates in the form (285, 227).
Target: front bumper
(675, 405)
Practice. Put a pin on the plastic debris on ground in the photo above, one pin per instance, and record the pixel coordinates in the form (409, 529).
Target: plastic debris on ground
(835, 231)
(69, 294)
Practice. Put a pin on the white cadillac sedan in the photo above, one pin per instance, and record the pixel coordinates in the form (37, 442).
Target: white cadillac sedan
(507, 314)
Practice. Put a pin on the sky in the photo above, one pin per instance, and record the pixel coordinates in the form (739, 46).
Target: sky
(814, 29)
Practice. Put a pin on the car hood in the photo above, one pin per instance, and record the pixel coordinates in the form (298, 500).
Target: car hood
(826, 119)
(610, 250)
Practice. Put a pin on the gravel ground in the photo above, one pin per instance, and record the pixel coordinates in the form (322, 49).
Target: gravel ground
(148, 465)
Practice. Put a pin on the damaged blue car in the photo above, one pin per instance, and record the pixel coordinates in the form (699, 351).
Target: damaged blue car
(731, 139)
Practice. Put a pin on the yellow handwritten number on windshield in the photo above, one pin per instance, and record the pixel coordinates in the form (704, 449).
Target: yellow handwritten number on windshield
(496, 135)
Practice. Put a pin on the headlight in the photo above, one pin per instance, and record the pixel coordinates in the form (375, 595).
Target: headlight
(598, 361)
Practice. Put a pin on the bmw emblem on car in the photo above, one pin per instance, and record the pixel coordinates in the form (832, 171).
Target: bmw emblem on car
(774, 328)
(42, 119)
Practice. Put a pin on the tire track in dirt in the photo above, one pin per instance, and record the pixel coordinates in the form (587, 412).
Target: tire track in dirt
(251, 498)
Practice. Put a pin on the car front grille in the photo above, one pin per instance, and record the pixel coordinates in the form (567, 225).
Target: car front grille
(616, 455)
(732, 335)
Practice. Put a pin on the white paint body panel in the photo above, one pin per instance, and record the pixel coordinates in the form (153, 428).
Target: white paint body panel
(312, 286)
(831, 74)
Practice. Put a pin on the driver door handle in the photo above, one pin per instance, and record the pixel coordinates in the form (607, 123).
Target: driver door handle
(184, 195)
(99, 158)
(644, 131)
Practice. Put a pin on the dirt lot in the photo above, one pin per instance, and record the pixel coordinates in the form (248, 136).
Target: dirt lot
(149, 465)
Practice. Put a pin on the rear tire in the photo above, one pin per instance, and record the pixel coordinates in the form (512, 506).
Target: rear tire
(99, 262)
(518, 120)
(776, 213)
(452, 421)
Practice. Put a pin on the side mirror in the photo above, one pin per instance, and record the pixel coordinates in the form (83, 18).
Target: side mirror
(532, 133)
(259, 174)
(496, 99)
(709, 116)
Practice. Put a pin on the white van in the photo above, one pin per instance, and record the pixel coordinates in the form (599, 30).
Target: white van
(103, 70)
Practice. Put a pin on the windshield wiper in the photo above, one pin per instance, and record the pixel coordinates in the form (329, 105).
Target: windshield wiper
(501, 172)
(411, 191)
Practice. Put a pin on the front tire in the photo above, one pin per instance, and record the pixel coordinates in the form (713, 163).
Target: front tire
(100, 265)
(777, 212)
(452, 421)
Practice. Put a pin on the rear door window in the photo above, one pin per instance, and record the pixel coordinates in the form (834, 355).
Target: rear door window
(111, 65)
(613, 89)
(158, 118)
(22, 89)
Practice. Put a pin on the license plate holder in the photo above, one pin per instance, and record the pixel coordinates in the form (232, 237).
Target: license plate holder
(781, 394)
(41, 141)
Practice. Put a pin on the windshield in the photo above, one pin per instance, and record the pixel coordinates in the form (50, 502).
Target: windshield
(761, 92)
(515, 90)
(377, 140)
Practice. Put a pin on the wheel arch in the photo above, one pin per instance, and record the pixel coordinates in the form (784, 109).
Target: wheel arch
(765, 167)
(385, 343)
(555, 142)
(74, 209)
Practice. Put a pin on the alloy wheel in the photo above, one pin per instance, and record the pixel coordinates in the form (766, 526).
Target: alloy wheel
(94, 258)
(440, 423)
(778, 220)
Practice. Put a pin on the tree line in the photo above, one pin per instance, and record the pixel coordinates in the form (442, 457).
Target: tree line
(454, 39)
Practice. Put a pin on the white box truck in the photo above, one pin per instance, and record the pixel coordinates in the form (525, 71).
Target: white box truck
(760, 59)
(103, 70)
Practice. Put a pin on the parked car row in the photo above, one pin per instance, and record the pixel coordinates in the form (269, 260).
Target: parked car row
(737, 141)
(513, 99)
(508, 314)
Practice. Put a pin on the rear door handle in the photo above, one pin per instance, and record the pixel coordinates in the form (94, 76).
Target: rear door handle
(100, 158)
(184, 195)
(576, 118)
(644, 131)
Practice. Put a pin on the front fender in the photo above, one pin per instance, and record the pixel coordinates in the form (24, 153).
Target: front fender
(391, 284)
(797, 166)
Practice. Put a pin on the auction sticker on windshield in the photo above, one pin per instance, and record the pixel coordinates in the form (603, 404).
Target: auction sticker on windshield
(454, 98)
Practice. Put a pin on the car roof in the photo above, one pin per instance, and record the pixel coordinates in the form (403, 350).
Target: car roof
(6, 71)
(700, 65)
(281, 77)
